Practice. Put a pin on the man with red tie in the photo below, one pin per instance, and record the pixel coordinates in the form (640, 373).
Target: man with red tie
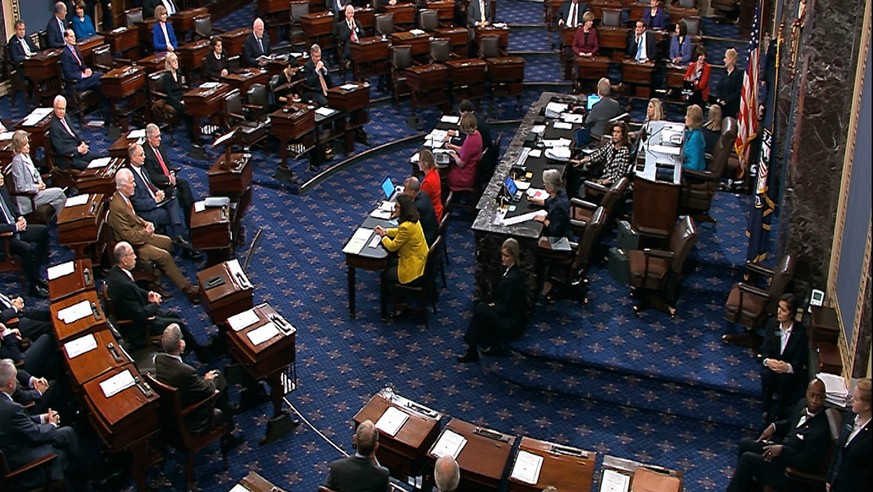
(163, 175)
(73, 65)
(66, 140)
(348, 31)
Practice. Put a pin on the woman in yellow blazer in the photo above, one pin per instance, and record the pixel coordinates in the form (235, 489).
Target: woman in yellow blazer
(407, 240)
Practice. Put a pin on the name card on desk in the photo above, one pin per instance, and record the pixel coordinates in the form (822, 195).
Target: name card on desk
(527, 467)
(117, 383)
(391, 421)
(243, 320)
(263, 333)
(80, 345)
(75, 312)
(450, 443)
(63, 269)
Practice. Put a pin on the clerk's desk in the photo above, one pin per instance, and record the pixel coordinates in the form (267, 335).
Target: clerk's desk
(563, 467)
(483, 458)
(89, 324)
(403, 453)
(81, 279)
(657, 179)
(373, 259)
(230, 295)
(81, 226)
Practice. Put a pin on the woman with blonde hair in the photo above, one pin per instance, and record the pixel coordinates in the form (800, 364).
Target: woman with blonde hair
(28, 180)
(431, 184)
(730, 87)
(163, 36)
(712, 127)
(694, 146)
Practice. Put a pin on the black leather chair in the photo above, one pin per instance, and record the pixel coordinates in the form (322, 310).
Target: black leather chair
(749, 303)
(242, 117)
(424, 286)
(11, 480)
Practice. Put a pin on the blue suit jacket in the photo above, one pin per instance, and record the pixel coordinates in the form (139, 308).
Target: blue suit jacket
(16, 52)
(158, 40)
(54, 36)
(22, 438)
(70, 67)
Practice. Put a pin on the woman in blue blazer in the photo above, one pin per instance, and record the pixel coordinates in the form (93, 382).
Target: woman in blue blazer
(163, 37)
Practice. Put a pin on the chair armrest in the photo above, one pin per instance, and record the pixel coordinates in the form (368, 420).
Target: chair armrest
(159, 94)
(652, 232)
(32, 465)
(578, 202)
(5, 234)
(795, 474)
(595, 186)
(253, 107)
(699, 175)
(581, 224)
(658, 253)
(751, 289)
(206, 401)
(12, 323)
(760, 270)
(236, 115)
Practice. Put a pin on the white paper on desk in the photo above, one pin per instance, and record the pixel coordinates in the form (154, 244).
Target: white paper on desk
(561, 125)
(325, 111)
(556, 142)
(77, 200)
(243, 320)
(499, 25)
(527, 467)
(391, 421)
(75, 312)
(614, 481)
(348, 87)
(100, 162)
(522, 185)
(573, 118)
(135, 134)
(559, 243)
(416, 32)
(238, 274)
(262, 334)
(561, 154)
(665, 149)
(447, 118)
(80, 345)
(538, 129)
(209, 85)
(554, 109)
(61, 270)
(518, 219)
(199, 206)
(117, 383)
(437, 134)
(6, 135)
(537, 193)
(239, 488)
(535, 153)
(380, 214)
(358, 241)
(36, 116)
(450, 443)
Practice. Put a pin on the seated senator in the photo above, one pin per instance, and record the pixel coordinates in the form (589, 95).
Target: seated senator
(850, 465)
(585, 42)
(712, 128)
(28, 179)
(680, 45)
(28, 241)
(614, 157)
(215, 63)
(597, 120)
(67, 142)
(694, 147)
(408, 241)
(556, 222)
(163, 36)
(81, 23)
(462, 176)
(503, 318)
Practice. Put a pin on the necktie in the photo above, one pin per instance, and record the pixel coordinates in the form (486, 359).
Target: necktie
(171, 7)
(482, 9)
(640, 48)
(352, 29)
(571, 22)
(6, 300)
(145, 179)
(76, 55)
(322, 82)
(260, 45)
(161, 162)
(26, 47)
(67, 126)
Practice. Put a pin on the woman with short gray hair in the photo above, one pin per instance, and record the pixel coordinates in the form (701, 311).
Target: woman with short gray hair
(556, 222)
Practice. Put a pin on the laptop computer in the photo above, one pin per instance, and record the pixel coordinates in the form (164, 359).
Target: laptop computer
(389, 189)
(512, 189)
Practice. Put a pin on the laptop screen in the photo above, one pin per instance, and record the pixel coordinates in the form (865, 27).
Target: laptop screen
(388, 187)
(510, 186)
(592, 100)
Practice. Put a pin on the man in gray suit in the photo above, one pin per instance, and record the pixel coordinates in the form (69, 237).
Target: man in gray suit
(361, 472)
(602, 111)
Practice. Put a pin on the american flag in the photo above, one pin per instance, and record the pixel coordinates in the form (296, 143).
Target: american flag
(748, 117)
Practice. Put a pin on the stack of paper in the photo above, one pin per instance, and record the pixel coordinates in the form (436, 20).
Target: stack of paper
(358, 241)
(99, 162)
(243, 320)
(75, 312)
(77, 200)
(450, 443)
(58, 271)
(80, 345)
(391, 421)
(836, 392)
(561, 154)
(450, 119)
(117, 383)
(527, 467)
(263, 333)
(554, 109)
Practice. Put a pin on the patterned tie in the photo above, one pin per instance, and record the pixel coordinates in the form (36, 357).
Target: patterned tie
(260, 45)
(67, 126)
(352, 29)
(75, 54)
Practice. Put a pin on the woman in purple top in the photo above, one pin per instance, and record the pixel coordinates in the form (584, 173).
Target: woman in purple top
(462, 176)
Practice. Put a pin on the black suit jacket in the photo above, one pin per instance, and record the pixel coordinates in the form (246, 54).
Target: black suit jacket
(344, 36)
(651, 45)
(355, 474)
(600, 114)
(796, 351)
(564, 12)
(129, 298)
(191, 386)
(62, 142)
(475, 15)
(148, 8)
(6, 226)
(22, 438)
(251, 50)
(851, 464)
(16, 51)
(153, 167)
(54, 36)
(427, 217)
(803, 447)
(331, 5)
(510, 298)
(310, 77)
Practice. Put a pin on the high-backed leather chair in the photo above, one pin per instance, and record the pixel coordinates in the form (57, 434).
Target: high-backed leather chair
(162, 114)
(568, 275)
(17, 83)
(611, 18)
(659, 271)
(440, 50)
(699, 187)
(241, 117)
(133, 16)
(401, 59)
(9, 479)
(581, 211)
(428, 20)
(424, 286)
(385, 24)
(749, 304)
(298, 10)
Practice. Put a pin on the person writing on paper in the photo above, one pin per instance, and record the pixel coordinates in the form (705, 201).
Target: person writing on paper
(408, 241)
(462, 176)
(851, 462)
(362, 471)
(614, 157)
(505, 316)
(28, 180)
(695, 146)
(556, 222)
(29, 241)
(431, 184)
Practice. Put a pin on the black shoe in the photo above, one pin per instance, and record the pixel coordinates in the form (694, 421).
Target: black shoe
(496, 350)
(470, 356)
(748, 339)
(39, 291)
(181, 242)
(192, 254)
(230, 442)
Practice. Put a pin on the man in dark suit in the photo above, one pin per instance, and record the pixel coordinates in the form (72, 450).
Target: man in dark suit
(361, 472)
(316, 77)
(348, 31)
(426, 215)
(603, 111)
(20, 48)
(641, 44)
(163, 175)
(785, 354)
(25, 438)
(73, 66)
(800, 442)
(31, 322)
(171, 370)
(851, 462)
(478, 13)
(29, 241)
(256, 45)
(66, 140)
(570, 14)
(57, 24)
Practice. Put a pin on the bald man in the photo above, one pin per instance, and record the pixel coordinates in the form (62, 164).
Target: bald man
(256, 45)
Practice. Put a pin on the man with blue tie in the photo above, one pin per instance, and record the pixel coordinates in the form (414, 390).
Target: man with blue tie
(74, 68)
(256, 45)
(54, 30)
(29, 241)
(641, 46)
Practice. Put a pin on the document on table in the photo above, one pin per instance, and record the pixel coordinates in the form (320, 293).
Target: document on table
(61, 270)
(554, 109)
(538, 129)
(535, 153)
(527, 467)
(263, 333)
(391, 421)
(209, 85)
(348, 87)
(453, 120)
(518, 219)
(243, 320)
(557, 142)
(573, 118)
(614, 481)
(450, 443)
(236, 272)
(117, 383)
(6, 135)
(325, 111)
(36, 116)
(77, 200)
(135, 134)
(99, 162)
(358, 241)
(537, 193)
(80, 345)
(75, 312)
(562, 125)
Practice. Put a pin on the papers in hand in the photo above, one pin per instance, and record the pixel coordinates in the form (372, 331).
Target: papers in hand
(263, 333)
(80, 345)
(453, 120)
(136, 134)
(117, 383)
(391, 421)
(614, 481)
(518, 219)
(358, 241)
(61, 270)
(75, 312)
(100, 162)
(450, 443)
(527, 467)
(243, 320)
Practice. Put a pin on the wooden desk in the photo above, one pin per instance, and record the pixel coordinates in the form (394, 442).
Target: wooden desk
(467, 78)
(458, 37)
(614, 38)
(120, 145)
(352, 99)
(668, 480)
(87, 46)
(211, 232)
(100, 179)
(43, 69)
(366, 16)
(500, 32)
(81, 226)
(105, 357)
(204, 103)
(269, 359)
(227, 299)
(373, 259)
(89, 324)
(245, 78)
(257, 483)
(655, 205)
(80, 280)
(193, 54)
(564, 467)
(233, 181)
(233, 41)
(294, 124)
(37, 131)
(639, 74)
(369, 57)
(122, 39)
(483, 458)
(318, 28)
(403, 453)
(428, 85)
(404, 14)
(591, 67)
(420, 43)
(154, 63)
(445, 10)
(120, 85)
(145, 30)
(183, 21)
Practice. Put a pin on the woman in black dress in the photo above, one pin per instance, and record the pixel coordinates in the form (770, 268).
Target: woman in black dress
(730, 87)
(215, 62)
